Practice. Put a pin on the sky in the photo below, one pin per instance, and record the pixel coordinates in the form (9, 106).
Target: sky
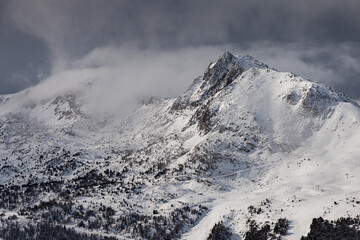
(158, 47)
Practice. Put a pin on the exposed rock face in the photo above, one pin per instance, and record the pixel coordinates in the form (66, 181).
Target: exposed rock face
(316, 100)
(216, 77)
(67, 107)
(220, 74)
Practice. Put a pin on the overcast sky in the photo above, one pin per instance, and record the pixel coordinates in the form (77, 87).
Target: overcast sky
(39, 38)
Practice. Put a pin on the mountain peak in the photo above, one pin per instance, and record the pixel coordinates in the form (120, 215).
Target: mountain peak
(228, 59)
(218, 75)
(228, 67)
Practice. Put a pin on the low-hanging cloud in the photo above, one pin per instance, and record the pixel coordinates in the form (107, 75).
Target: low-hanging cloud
(109, 78)
(122, 75)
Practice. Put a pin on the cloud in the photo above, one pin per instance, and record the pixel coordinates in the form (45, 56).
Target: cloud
(318, 40)
(161, 23)
(109, 78)
(48, 20)
(23, 60)
(125, 74)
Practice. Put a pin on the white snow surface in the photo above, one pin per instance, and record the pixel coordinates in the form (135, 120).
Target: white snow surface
(263, 135)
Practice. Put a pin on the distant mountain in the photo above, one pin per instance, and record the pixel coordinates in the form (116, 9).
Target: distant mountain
(246, 152)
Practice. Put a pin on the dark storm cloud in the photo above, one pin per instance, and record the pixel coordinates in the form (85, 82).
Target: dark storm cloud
(84, 24)
(73, 28)
(23, 58)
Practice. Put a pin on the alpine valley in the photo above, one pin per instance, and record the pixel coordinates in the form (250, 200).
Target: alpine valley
(247, 152)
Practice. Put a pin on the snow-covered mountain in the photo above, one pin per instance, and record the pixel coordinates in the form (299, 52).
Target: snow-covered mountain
(245, 144)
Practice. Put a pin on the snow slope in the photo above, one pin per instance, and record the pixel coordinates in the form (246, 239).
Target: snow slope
(242, 135)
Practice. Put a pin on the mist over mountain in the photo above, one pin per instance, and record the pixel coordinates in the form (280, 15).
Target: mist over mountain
(41, 38)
